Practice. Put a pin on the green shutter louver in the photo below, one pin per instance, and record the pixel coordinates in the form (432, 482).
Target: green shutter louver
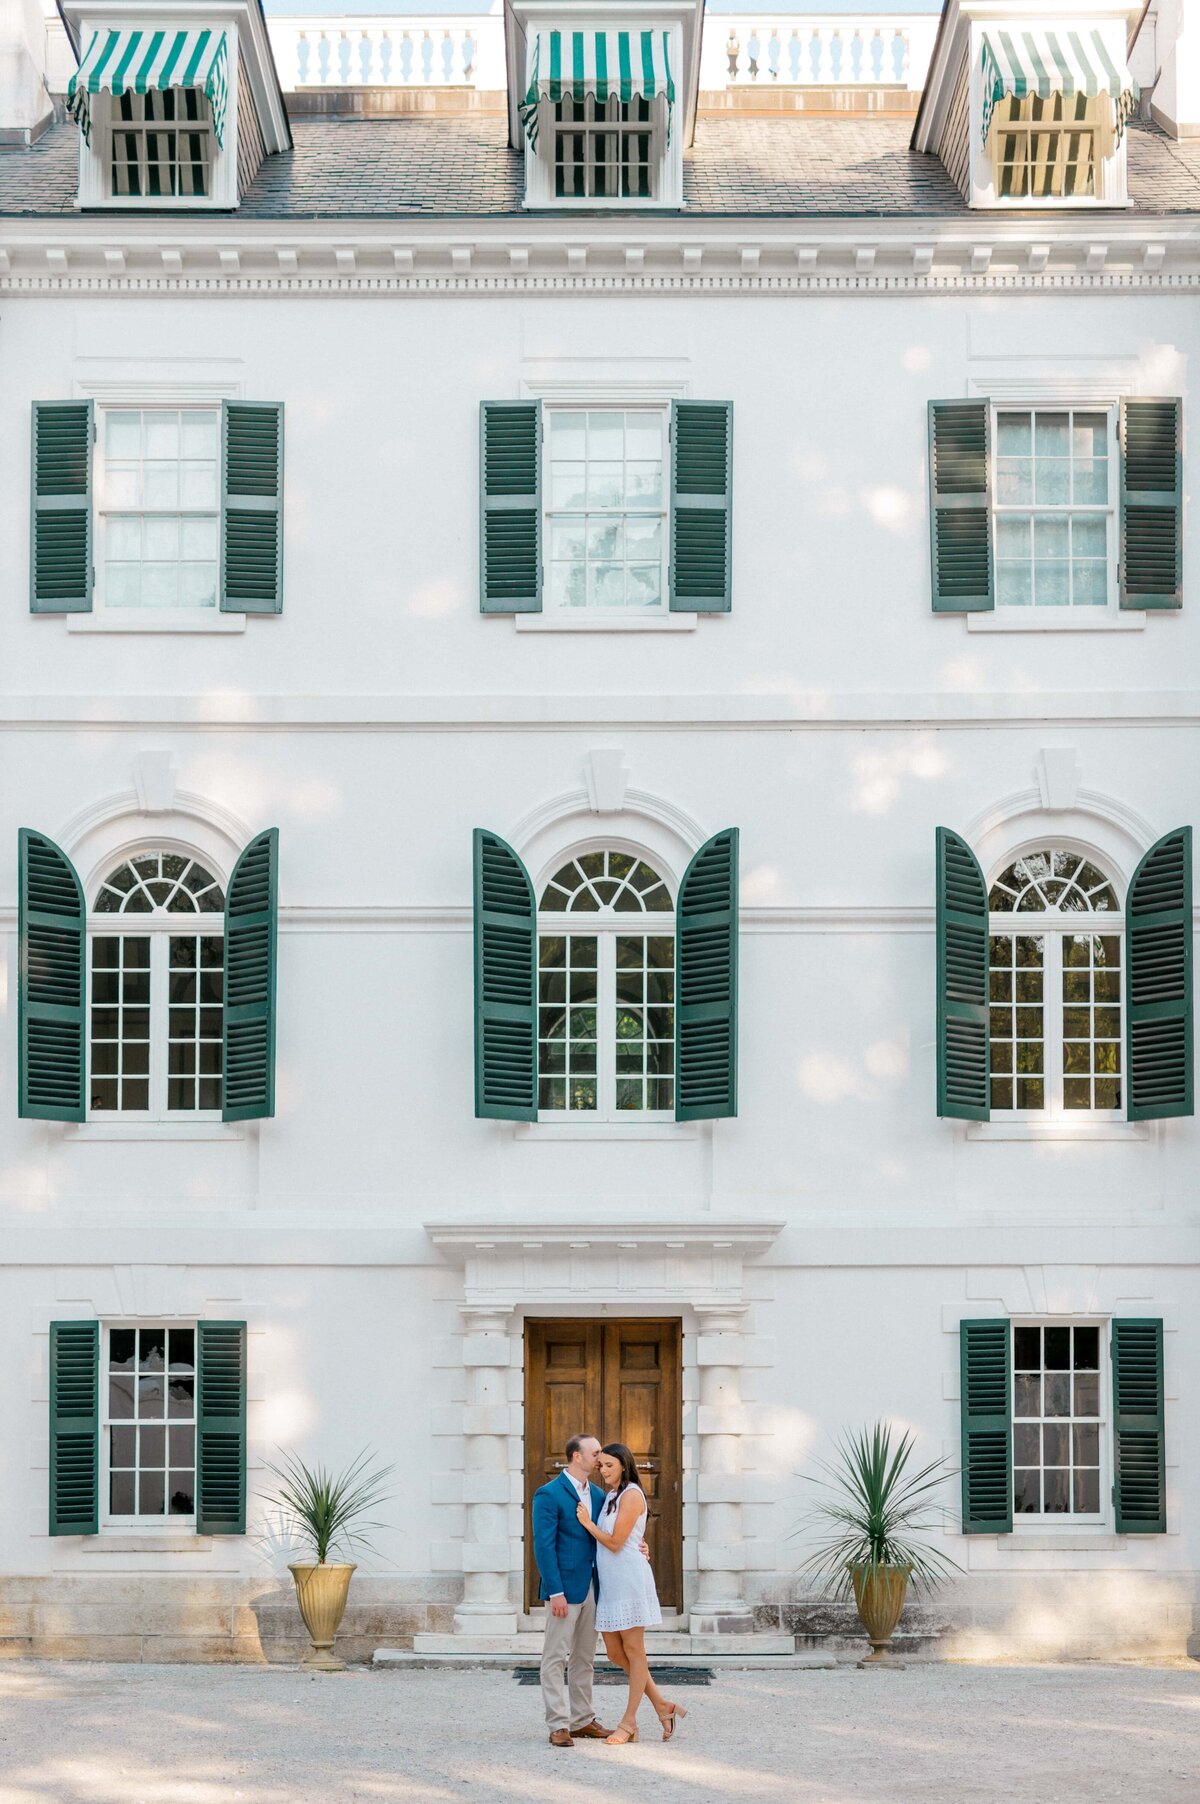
(1139, 1438)
(221, 1428)
(251, 940)
(60, 564)
(74, 1428)
(1151, 504)
(701, 506)
(510, 524)
(505, 982)
(1158, 981)
(963, 1051)
(51, 941)
(252, 507)
(986, 1373)
(706, 982)
(960, 506)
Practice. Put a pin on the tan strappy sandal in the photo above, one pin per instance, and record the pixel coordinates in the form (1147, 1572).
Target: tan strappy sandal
(621, 1737)
(668, 1721)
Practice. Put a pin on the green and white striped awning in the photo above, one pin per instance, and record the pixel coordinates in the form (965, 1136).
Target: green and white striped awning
(570, 65)
(1054, 62)
(133, 62)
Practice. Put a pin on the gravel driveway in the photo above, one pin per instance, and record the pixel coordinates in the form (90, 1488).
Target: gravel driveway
(73, 1734)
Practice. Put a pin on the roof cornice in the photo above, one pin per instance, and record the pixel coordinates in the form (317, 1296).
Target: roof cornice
(1118, 252)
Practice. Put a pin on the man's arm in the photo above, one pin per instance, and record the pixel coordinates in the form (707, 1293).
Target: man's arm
(545, 1547)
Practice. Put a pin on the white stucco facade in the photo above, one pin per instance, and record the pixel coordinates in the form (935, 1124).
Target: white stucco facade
(385, 1247)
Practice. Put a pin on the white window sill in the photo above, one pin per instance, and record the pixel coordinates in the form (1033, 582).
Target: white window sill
(123, 1541)
(1057, 620)
(147, 620)
(606, 623)
(1083, 1539)
(123, 1132)
(1058, 1129)
(605, 1130)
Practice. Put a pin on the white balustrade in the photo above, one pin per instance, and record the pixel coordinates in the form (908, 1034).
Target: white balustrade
(405, 51)
(815, 50)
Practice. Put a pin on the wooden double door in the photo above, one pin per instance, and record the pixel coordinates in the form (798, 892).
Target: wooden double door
(621, 1382)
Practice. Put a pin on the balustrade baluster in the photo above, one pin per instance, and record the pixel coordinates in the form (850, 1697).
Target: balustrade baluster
(426, 58)
(406, 58)
(323, 59)
(303, 57)
(385, 59)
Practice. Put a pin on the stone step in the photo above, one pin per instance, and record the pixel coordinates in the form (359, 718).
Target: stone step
(661, 1644)
(398, 1659)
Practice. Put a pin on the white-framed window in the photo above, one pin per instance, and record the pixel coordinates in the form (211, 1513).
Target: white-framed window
(1036, 146)
(1054, 506)
(1049, 149)
(158, 476)
(1056, 950)
(607, 483)
(161, 145)
(156, 990)
(1060, 1453)
(607, 149)
(606, 990)
(149, 1423)
(605, 140)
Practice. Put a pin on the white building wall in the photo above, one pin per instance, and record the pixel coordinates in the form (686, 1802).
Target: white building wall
(831, 717)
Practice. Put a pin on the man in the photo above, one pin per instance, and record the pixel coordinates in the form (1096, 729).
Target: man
(566, 1560)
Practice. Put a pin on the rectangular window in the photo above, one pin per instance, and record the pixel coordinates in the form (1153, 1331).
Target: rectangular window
(606, 1025)
(161, 144)
(1054, 507)
(1056, 1022)
(606, 514)
(604, 149)
(1046, 148)
(1057, 1420)
(149, 1401)
(157, 1003)
(158, 486)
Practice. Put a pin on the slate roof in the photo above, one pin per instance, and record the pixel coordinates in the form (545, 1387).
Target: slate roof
(462, 168)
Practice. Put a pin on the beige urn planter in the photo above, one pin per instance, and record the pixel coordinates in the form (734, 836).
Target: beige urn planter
(321, 1594)
(879, 1594)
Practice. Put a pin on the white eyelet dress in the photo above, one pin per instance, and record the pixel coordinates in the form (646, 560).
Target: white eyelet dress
(627, 1598)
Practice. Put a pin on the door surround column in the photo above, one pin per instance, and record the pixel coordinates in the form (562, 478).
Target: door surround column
(487, 1607)
(720, 1607)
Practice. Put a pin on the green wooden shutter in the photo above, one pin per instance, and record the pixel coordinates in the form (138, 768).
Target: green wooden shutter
(221, 1428)
(706, 982)
(505, 983)
(1158, 981)
(1151, 504)
(960, 506)
(986, 1367)
(701, 506)
(60, 565)
(52, 945)
(963, 1049)
(510, 524)
(74, 1428)
(251, 936)
(1139, 1438)
(252, 507)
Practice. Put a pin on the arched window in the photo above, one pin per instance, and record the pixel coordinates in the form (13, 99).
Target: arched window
(606, 990)
(156, 989)
(1055, 986)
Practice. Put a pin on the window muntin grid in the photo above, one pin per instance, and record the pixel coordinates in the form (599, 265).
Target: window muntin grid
(1054, 991)
(1054, 509)
(161, 145)
(1057, 1402)
(606, 517)
(604, 149)
(156, 997)
(606, 996)
(150, 1422)
(1046, 148)
(158, 510)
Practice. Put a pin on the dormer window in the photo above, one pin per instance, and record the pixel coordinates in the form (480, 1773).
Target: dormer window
(1052, 104)
(598, 116)
(161, 144)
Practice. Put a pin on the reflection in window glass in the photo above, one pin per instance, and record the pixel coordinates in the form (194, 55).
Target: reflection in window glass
(159, 507)
(1052, 508)
(150, 1421)
(607, 508)
(1056, 1421)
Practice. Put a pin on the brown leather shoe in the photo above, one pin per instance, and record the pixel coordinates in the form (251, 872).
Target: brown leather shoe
(560, 1738)
(592, 1732)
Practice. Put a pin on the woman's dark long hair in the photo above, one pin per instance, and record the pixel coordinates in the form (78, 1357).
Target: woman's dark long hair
(629, 1471)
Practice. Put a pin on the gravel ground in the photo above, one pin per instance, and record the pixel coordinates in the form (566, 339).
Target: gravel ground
(74, 1734)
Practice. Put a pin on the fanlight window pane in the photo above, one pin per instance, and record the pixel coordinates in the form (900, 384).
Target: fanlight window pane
(166, 880)
(613, 880)
(1052, 880)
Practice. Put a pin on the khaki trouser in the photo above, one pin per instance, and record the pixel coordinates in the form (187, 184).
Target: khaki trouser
(570, 1641)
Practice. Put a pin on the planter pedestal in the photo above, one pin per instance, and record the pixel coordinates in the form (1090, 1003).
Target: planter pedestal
(321, 1594)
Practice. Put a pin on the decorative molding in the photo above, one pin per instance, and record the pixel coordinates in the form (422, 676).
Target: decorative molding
(127, 802)
(635, 802)
(154, 779)
(1058, 772)
(1086, 801)
(607, 776)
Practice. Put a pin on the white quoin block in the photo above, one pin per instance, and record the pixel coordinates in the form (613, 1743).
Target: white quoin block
(486, 1418)
(485, 1487)
(720, 1350)
(734, 1487)
(489, 1556)
(485, 1350)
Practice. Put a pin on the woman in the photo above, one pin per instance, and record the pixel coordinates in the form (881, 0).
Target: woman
(628, 1602)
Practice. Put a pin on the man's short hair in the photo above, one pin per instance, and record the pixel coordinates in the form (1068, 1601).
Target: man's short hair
(574, 1444)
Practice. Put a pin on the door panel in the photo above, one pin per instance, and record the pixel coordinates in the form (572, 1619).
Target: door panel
(620, 1381)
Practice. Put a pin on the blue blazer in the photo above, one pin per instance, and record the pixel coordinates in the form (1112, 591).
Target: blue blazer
(564, 1551)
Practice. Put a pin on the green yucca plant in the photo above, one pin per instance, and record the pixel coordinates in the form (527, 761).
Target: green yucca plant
(876, 1512)
(326, 1510)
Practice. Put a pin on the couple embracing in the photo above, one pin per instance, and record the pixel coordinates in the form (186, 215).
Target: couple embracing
(588, 1529)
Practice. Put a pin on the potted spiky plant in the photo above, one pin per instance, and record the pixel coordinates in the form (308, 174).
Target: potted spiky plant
(326, 1511)
(878, 1515)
